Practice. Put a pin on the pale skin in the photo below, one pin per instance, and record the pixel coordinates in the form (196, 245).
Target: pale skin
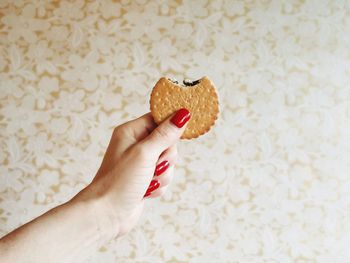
(109, 206)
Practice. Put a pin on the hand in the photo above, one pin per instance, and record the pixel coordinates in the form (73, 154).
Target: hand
(138, 164)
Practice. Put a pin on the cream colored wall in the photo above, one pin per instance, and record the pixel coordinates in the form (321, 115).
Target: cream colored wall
(270, 183)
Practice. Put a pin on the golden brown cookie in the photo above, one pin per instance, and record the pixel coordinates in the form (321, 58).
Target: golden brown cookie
(199, 97)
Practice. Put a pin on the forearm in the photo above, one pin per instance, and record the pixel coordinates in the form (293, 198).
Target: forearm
(68, 233)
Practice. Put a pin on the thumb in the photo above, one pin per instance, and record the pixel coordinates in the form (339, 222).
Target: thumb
(168, 132)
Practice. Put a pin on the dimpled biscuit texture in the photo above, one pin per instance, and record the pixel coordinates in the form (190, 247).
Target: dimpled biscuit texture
(201, 100)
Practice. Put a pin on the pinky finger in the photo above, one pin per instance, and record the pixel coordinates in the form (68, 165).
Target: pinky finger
(157, 193)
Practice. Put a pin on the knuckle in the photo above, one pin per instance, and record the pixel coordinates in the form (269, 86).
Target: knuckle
(117, 131)
(120, 131)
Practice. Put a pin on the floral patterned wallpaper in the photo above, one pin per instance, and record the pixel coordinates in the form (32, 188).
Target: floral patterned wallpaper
(270, 183)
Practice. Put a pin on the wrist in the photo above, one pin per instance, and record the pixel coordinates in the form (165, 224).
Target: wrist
(95, 207)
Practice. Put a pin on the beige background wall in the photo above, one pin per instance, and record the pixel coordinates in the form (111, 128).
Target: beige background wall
(271, 182)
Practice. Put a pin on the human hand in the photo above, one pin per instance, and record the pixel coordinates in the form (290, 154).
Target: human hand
(138, 164)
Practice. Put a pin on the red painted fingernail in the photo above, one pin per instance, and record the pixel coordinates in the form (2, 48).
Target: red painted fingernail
(161, 168)
(153, 186)
(147, 194)
(181, 117)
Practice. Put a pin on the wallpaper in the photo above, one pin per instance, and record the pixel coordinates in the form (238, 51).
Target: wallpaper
(269, 183)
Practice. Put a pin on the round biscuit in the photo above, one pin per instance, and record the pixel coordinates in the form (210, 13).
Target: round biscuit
(201, 100)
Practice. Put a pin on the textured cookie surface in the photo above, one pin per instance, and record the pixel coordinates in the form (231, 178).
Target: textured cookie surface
(200, 99)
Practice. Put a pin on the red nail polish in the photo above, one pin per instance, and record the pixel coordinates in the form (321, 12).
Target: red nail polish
(153, 186)
(161, 168)
(147, 194)
(181, 117)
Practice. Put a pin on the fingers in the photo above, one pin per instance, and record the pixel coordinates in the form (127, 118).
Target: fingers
(168, 132)
(163, 173)
(164, 181)
(169, 155)
(126, 135)
(139, 128)
(159, 192)
(166, 178)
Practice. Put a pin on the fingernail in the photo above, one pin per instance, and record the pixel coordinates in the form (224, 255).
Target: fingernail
(153, 186)
(181, 117)
(161, 168)
(147, 194)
